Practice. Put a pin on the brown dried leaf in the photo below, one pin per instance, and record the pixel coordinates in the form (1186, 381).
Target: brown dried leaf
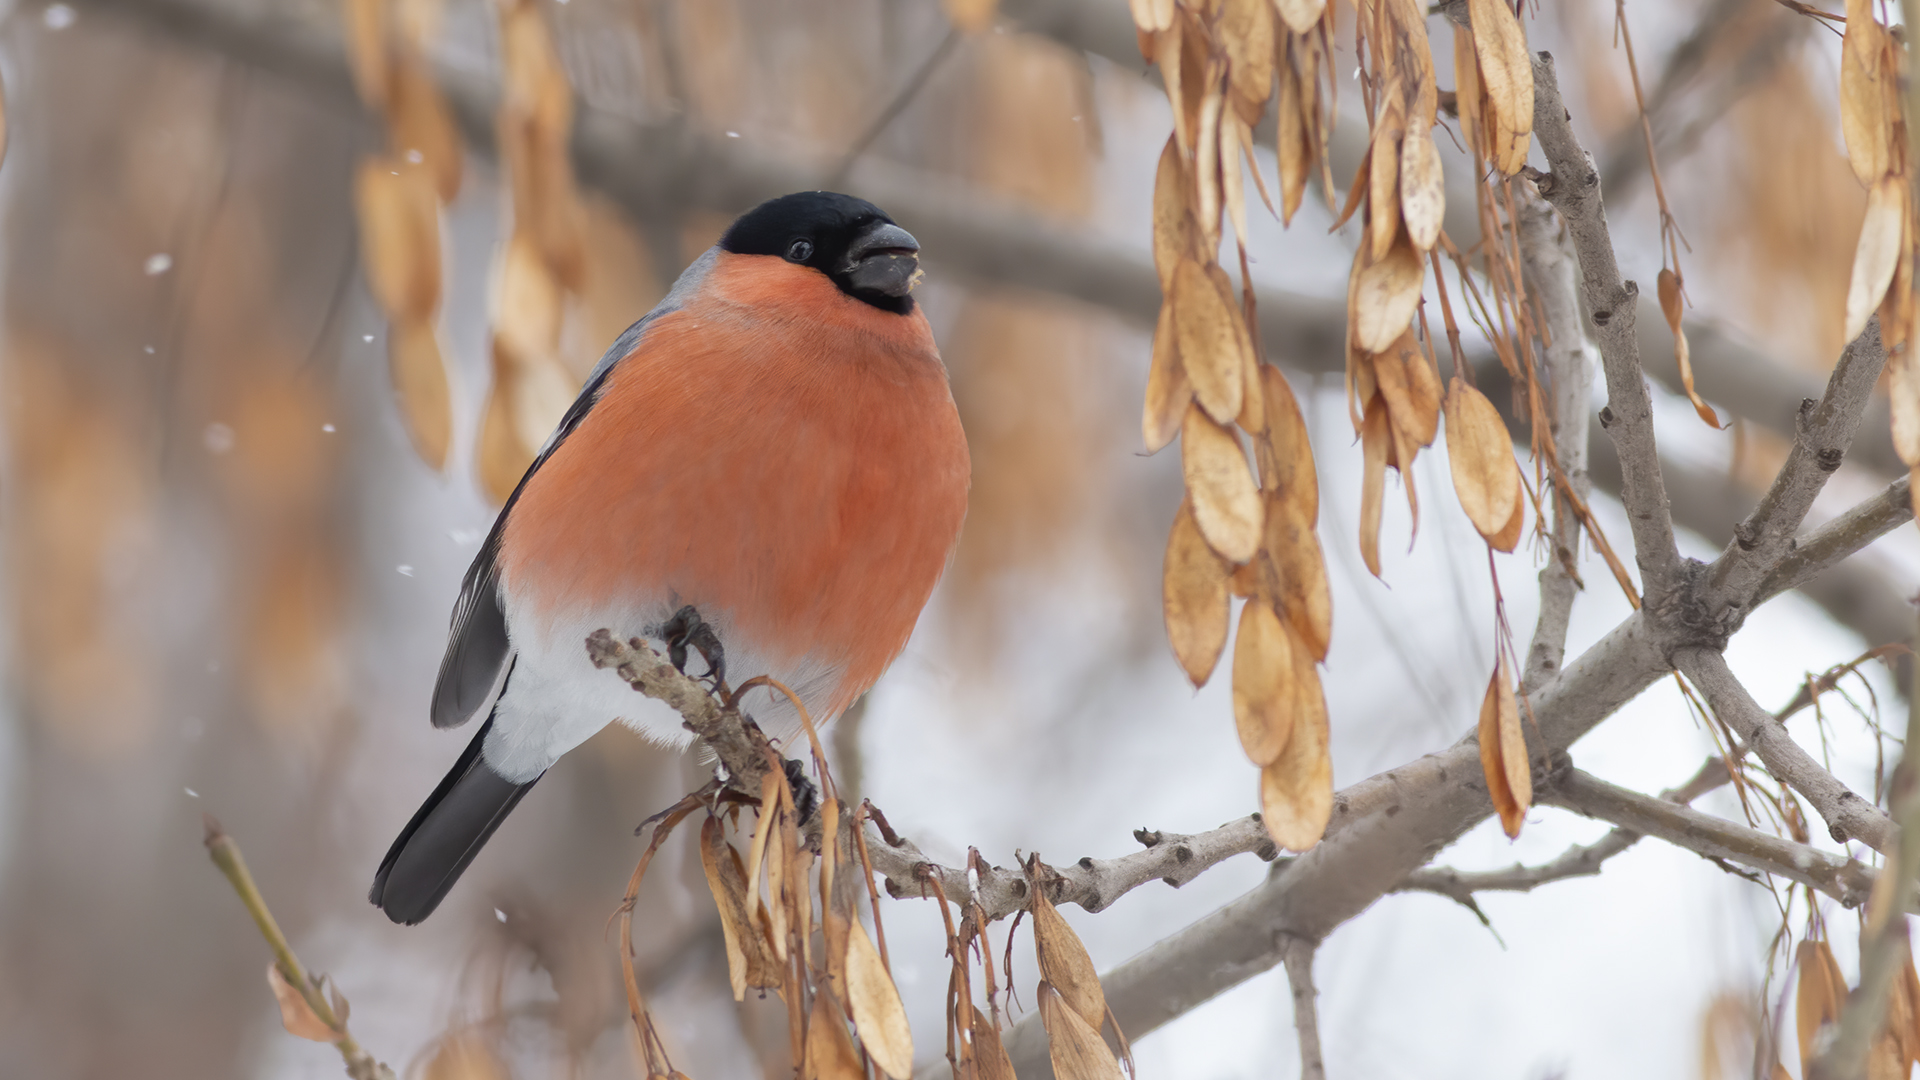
(1376, 443)
(1671, 307)
(747, 961)
(1064, 962)
(1233, 188)
(1246, 28)
(418, 122)
(990, 1060)
(1226, 504)
(1866, 118)
(1467, 92)
(829, 1052)
(1411, 388)
(1383, 175)
(420, 389)
(1878, 255)
(1385, 294)
(1169, 390)
(1480, 453)
(1263, 692)
(1306, 602)
(1300, 15)
(1176, 236)
(1169, 51)
(1423, 192)
(368, 48)
(877, 1013)
(296, 1015)
(1897, 310)
(399, 237)
(1194, 598)
(465, 1056)
(1506, 70)
(1076, 1048)
(1903, 393)
(529, 303)
(1292, 149)
(1508, 537)
(1291, 473)
(1503, 751)
(1296, 792)
(1215, 348)
(1822, 989)
(1206, 167)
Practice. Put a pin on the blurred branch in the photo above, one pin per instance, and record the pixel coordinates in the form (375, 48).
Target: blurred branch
(361, 1065)
(1549, 264)
(1297, 953)
(1581, 860)
(1831, 544)
(1848, 816)
(1823, 434)
(1714, 838)
(1573, 187)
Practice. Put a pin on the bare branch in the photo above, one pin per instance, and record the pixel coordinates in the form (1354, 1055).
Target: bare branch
(1551, 266)
(1573, 187)
(1834, 542)
(1823, 433)
(1298, 956)
(1715, 838)
(1583, 860)
(1848, 816)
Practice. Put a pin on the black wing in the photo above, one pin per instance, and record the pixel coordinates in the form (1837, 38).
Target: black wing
(478, 650)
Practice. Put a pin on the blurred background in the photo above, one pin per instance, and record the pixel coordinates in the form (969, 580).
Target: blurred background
(231, 544)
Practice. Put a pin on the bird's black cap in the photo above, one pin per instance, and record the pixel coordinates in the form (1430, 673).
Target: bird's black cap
(850, 240)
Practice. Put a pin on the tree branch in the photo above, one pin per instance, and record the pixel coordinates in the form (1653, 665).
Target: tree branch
(1714, 838)
(1848, 816)
(1832, 543)
(1297, 953)
(1582, 860)
(1573, 187)
(1823, 433)
(1550, 265)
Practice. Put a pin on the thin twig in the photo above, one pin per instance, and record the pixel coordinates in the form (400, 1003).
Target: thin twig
(1297, 954)
(1838, 539)
(361, 1065)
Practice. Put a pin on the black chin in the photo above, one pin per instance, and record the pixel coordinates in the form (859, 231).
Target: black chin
(884, 279)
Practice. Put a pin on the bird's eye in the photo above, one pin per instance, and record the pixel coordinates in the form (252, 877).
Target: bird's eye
(800, 251)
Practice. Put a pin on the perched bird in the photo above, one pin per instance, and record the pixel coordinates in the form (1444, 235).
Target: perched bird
(770, 460)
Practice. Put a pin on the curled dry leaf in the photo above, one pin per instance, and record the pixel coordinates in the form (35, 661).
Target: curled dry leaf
(1503, 751)
(1296, 791)
(1672, 307)
(748, 963)
(1878, 254)
(1233, 188)
(1194, 598)
(1305, 600)
(1291, 472)
(877, 1012)
(1168, 388)
(1076, 1048)
(1480, 454)
(1226, 504)
(1064, 962)
(1423, 192)
(1383, 175)
(1384, 295)
(1293, 148)
(1866, 99)
(1215, 348)
(829, 1052)
(1263, 692)
(1822, 989)
(1508, 537)
(296, 1015)
(420, 388)
(1467, 92)
(990, 1060)
(1206, 164)
(1376, 444)
(399, 237)
(1506, 72)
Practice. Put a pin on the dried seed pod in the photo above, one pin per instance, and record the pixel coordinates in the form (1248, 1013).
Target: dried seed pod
(1503, 751)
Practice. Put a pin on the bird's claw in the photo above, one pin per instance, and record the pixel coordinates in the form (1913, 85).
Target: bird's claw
(688, 630)
(806, 797)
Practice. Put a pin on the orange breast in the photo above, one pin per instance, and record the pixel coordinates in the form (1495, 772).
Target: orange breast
(775, 453)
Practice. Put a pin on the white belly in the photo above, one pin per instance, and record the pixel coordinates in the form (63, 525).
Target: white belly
(555, 699)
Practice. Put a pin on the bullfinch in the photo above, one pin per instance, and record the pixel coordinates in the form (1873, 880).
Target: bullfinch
(768, 466)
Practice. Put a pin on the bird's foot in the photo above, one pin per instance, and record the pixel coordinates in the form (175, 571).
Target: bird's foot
(806, 797)
(688, 630)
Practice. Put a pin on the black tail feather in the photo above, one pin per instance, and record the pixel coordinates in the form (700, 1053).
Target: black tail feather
(445, 834)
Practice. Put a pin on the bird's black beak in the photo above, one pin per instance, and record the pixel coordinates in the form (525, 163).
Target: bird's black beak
(884, 259)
